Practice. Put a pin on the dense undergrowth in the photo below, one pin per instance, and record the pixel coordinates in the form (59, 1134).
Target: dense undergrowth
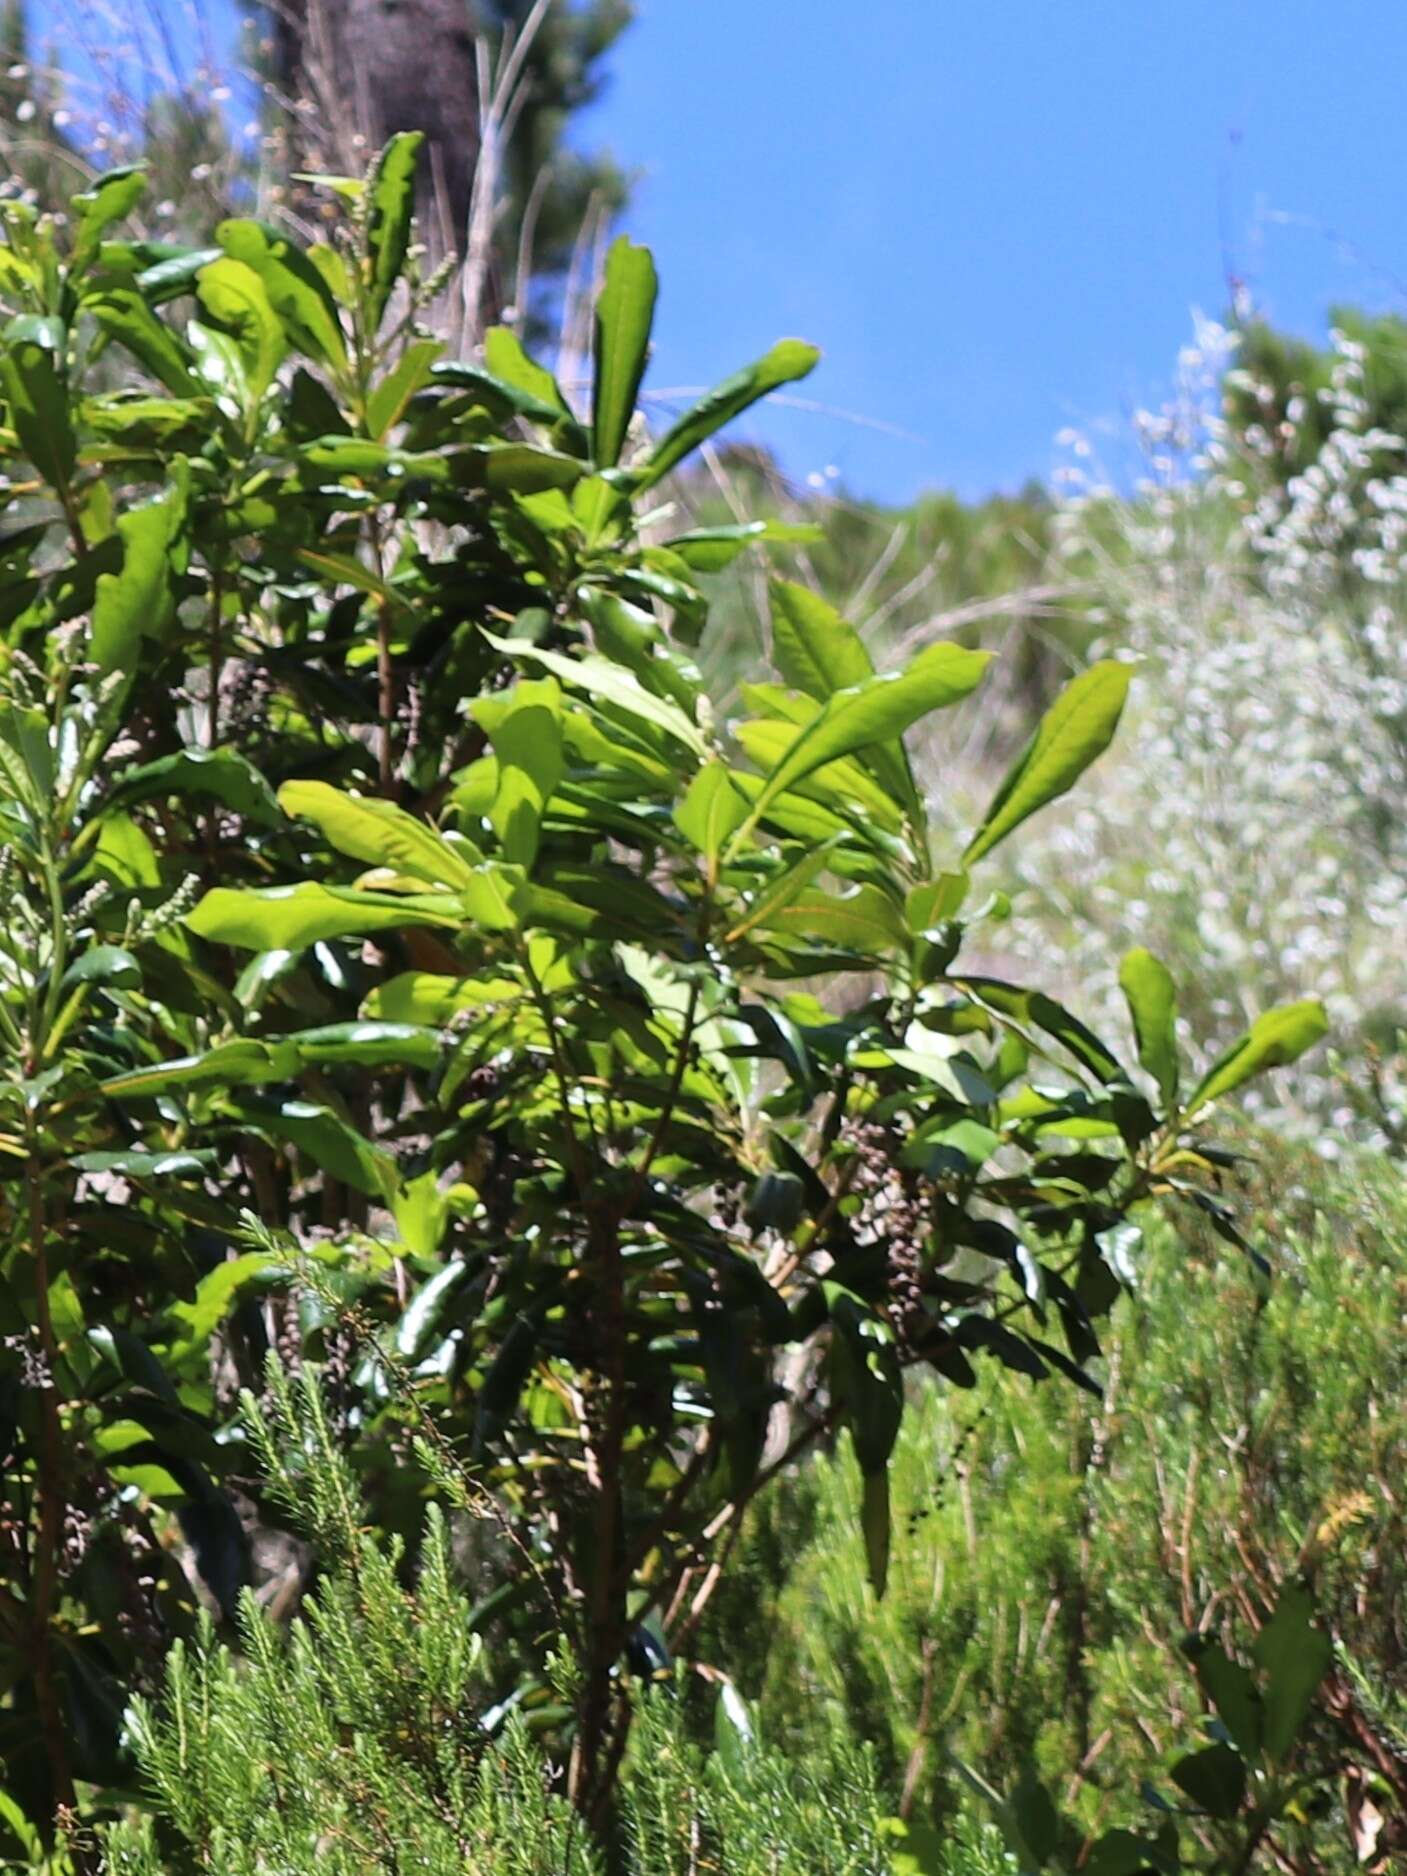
(1052, 1551)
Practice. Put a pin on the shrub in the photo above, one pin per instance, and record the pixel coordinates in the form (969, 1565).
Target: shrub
(401, 965)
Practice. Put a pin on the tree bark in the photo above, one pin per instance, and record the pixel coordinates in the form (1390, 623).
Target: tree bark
(357, 71)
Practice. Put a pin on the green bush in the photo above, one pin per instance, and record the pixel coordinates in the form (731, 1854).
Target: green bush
(402, 966)
(1051, 1551)
(365, 1740)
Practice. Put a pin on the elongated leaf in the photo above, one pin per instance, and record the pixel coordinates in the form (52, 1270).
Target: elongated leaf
(625, 312)
(1077, 728)
(329, 1142)
(875, 1522)
(709, 550)
(32, 378)
(1294, 1657)
(1152, 999)
(111, 198)
(142, 596)
(874, 712)
(510, 364)
(222, 774)
(606, 681)
(296, 290)
(289, 918)
(1231, 1691)
(387, 403)
(126, 316)
(787, 361)
(390, 210)
(235, 299)
(525, 729)
(815, 649)
(711, 810)
(1214, 1779)
(783, 889)
(379, 833)
(1278, 1037)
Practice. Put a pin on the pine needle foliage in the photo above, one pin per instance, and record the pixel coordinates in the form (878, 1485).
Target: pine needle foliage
(364, 1739)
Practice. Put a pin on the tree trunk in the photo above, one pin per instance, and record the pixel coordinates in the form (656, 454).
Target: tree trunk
(357, 71)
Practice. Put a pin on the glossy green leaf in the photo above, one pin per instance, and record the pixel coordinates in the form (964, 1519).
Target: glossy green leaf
(234, 297)
(787, 361)
(380, 833)
(1078, 727)
(125, 316)
(1152, 999)
(1293, 1656)
(710, 550)
(525, 729)
(1278, 1037)
(330, 1142)
(608, 683)
(32, 377)
(289, 918)
(390, 210)
(387, 403)
(110, 199)
(510, 364)
(141, 598)
(711, 810)
(625, 312)
(815, 649)
(295, 289)
(222, 775)
(874, 712)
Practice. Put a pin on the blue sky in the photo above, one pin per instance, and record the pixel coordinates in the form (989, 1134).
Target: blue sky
(996, 219)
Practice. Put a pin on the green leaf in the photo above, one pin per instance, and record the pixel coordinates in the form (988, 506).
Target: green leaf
(875, 1524)
(235, 298)
(710, 550)
(1077, 728)
(1294, 1656)
(142, 597)
(329, 1142)
(711, 811)
(787, 361)
(289, 918)
(111, 199)
(32, 368)
(1152, 999)
(525, 728)
(105, 964)
(126, 317)
(1214, 1779)
(510, 364)
(1231, 1691)
(1278, 1037)
(380, 833)
(873, 712)
(295, 289)
(816, 650)
(390, 212)
(863, 920)
(387, 403)
(217, 1292)
(222, 774)
(607, 682)
(625, 312)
